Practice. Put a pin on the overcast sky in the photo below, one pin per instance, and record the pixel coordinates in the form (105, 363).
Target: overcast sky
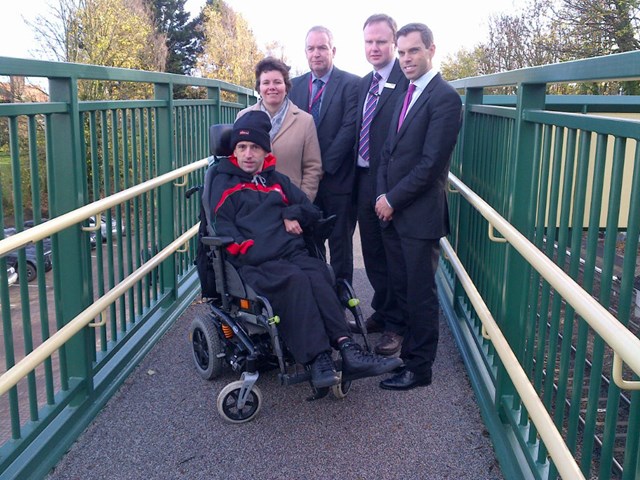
(454, 24)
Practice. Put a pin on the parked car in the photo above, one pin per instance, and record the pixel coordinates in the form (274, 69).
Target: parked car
(92, 235)
(12, 276)
(31, 257)
(104, 229)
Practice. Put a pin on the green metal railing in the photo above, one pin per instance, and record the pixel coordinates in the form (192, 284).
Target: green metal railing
(565, 172)
(562, 172)
(73, 334)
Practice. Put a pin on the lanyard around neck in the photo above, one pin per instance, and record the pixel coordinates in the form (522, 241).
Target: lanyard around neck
(318, 93)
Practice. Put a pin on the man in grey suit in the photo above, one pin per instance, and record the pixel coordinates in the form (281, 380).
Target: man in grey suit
(412, 199)
(331, 96)
(379, 92)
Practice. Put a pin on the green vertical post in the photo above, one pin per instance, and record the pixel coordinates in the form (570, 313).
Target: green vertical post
(520, 211)
(215, 110)
(165, 156)
(66, 194)
(473, 96)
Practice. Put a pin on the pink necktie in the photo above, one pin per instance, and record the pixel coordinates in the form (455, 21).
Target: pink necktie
(405, 105)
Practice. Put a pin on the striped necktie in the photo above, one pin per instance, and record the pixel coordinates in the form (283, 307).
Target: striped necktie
(372, 101)
(316, 95)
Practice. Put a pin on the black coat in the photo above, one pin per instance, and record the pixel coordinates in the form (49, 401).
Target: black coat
(414, 164)
(251, 209)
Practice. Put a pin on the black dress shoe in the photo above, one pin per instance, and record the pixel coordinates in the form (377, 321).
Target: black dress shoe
(405, 380)
(399, 369)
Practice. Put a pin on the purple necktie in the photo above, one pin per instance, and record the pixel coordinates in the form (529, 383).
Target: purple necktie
(405, 105)
(370, 107)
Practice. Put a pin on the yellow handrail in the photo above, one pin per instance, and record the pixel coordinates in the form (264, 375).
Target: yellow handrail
(66, 220)
(617, 375)
(95, 227)
(553, 441)
(617, 336)
(12, 376)
(182, 183)
(101, 323)
(493, 237)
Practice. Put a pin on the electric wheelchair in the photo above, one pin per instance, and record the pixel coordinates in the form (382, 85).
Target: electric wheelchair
(240, 329)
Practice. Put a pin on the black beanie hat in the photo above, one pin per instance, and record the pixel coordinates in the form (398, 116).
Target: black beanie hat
(253, 126)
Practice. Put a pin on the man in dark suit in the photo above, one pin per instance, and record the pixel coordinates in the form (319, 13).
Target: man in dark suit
(331, 96)
(377, 99)
(412, 199)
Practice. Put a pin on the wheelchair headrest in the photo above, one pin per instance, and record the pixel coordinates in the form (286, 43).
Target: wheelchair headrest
(220, 140)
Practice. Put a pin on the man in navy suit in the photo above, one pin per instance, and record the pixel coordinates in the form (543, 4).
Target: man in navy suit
(331, 96)
(373, 123)
(412, 199)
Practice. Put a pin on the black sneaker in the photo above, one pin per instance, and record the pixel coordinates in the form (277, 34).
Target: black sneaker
(323, 371)
(357, 363)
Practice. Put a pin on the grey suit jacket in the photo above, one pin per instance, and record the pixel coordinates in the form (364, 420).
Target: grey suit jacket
(336, 128)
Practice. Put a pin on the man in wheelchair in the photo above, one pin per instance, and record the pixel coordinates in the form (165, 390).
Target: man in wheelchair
(266, 214)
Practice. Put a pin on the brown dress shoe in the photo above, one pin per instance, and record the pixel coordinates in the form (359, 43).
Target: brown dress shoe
(389, 344)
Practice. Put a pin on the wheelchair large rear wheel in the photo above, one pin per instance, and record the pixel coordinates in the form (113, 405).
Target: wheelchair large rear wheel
(206, 347)
(228, 403)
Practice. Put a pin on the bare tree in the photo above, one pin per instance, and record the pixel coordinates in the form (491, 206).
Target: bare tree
(516, 40)
(53, 31)
(114, 33)
(600, 28)
(551, 31)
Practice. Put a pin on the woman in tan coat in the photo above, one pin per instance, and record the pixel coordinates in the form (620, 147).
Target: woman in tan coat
(294, 140)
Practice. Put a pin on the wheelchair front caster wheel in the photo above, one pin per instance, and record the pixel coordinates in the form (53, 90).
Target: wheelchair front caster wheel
(340, 390)
(228, 403)
(318, 393)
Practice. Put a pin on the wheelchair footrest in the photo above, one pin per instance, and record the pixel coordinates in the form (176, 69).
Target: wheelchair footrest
(294, 378)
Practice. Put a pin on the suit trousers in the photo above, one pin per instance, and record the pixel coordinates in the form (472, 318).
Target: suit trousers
(302, 294)
(412, 267)
(341, 238)
(387, 312)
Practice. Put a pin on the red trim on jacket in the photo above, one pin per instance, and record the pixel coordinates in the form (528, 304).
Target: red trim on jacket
(250, 186)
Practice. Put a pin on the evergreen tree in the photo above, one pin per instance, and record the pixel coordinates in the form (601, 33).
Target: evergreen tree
(172, 20)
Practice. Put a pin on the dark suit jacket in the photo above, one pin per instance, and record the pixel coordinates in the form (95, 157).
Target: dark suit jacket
(381, 122)
(336, 128)
(415, 162)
